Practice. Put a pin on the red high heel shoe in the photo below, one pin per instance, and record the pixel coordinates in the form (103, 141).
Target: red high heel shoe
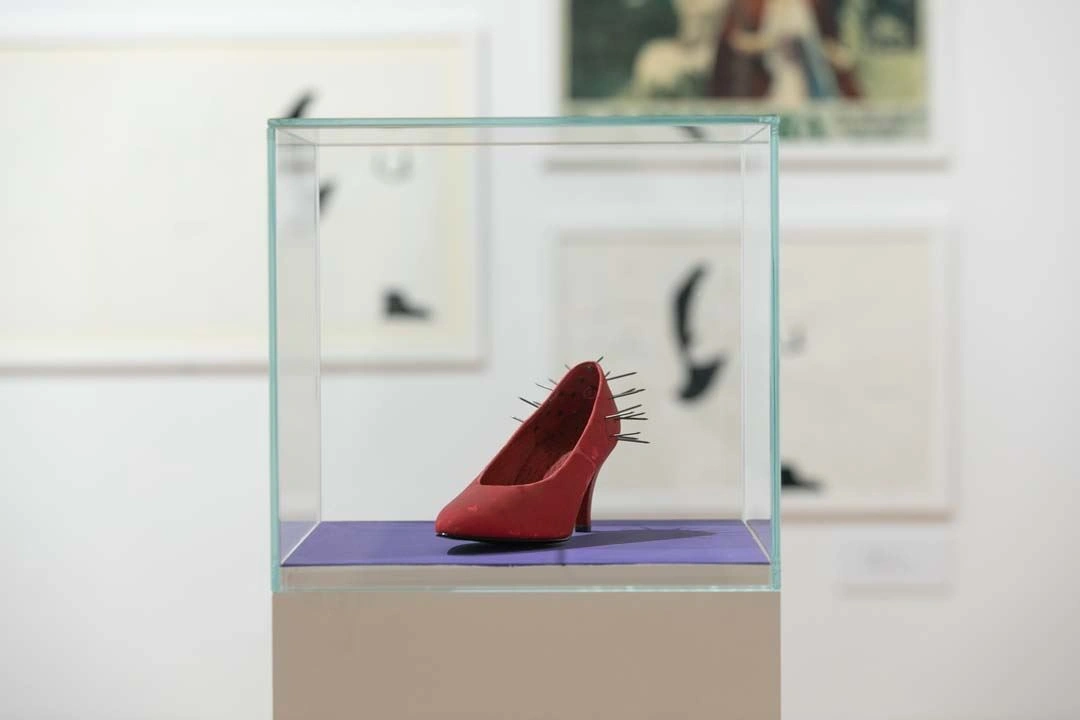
(539, 487)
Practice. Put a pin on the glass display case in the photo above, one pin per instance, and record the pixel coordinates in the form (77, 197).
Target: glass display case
(439, 288)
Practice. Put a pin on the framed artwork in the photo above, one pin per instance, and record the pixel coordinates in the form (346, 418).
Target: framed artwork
(863, 371)
(134, 229)
(851, 79)
(663, 304)
(399, 238)
(863, 364)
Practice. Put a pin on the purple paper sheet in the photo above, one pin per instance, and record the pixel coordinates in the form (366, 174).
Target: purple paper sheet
(612, 542)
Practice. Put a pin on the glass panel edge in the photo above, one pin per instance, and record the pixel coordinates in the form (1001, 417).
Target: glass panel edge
(513, 589)
(771, 120)
(774, 349)
(271, 234)
(551, 121)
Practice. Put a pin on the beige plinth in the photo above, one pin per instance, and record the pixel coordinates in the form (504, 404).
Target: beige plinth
(562, 655)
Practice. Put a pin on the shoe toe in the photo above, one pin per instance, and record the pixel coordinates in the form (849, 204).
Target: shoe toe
(463, 519)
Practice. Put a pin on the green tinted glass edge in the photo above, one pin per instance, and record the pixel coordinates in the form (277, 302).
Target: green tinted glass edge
(564, 121)
(774, 348)
(568, 121)
(271, 167)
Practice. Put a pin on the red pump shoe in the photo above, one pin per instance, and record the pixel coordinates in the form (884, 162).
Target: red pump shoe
(539, 487)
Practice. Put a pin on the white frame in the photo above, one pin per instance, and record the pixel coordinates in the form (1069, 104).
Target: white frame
(472, 350)
(938, 500)
(67, 30)
(639, 502)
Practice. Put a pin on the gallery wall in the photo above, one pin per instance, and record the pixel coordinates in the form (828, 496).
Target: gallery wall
(138, 509)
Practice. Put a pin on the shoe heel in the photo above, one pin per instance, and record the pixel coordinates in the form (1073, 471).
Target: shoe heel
(584, 514)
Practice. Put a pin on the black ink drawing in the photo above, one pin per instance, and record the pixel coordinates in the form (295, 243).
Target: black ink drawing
(699, 375)
(300, 106)
(326, 189)
(398, 307)
(792, 479)
(389, 168)
(693, 131)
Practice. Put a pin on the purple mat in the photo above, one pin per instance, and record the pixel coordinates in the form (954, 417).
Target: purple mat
(612, 542)
(292, 532)
(763, 530)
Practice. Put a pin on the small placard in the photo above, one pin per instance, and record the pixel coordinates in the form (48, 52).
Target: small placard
(893, 556)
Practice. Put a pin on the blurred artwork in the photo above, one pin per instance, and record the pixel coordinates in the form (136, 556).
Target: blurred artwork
(699, 374)
(387, 268)
(861, 372)
(167, 173)
(297, 110)
(792, 480)
(834, 69)
(397, 305)
(860, 358)
(661, 305)
(399, 255)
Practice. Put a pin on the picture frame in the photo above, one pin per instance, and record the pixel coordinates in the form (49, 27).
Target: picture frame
(865, 411)
(180, 109)
(616, 293)
(599, 75)
(889, 361)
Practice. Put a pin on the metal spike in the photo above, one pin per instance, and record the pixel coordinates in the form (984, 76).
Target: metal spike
(632, 440)
(600, 359)
(627, 393)
(515, 417)
(534, 404)
(567, 366)
(544, 387)
(626, 417)
(617, 377)
(621, 412)
(553, 382)
(626, 435)
(635, 416)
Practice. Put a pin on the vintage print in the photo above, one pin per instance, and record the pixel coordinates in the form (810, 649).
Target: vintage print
(834, 69)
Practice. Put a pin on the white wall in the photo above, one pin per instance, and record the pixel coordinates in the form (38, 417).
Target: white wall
(1002, 640)
(119, 601)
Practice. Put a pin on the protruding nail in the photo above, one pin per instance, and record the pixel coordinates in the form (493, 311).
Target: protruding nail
(621, 412)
